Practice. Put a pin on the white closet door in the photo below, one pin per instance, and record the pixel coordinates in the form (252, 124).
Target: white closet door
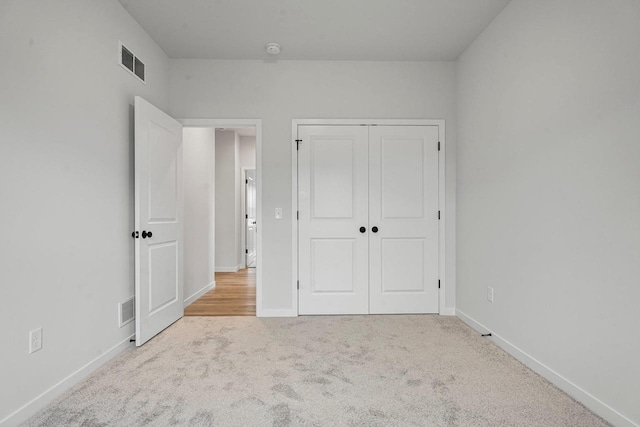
(333, 186)
(403, 205)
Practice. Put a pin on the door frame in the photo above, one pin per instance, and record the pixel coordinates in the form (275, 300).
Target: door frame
(441, 193)
(244, 123)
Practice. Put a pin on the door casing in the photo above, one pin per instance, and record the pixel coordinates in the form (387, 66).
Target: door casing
(295, 123)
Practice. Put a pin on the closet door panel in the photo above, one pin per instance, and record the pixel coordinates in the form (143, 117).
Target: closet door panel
(403, 206)
(333, 206)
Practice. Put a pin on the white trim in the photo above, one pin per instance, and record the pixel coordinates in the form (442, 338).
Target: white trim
(259, 218)
(269, 312)
(294, 216)
(379, 122)
(442, 224)
(448, 311)
(221, 123)
(240, 123)
(441, 193)
(587, 399)
(228, 269)
(199, 293)
(30, 408)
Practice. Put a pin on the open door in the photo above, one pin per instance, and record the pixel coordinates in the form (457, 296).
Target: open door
(250, 218)
(158, 221)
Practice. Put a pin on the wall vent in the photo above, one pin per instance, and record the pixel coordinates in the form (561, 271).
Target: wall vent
(131, 62)
(126, 311)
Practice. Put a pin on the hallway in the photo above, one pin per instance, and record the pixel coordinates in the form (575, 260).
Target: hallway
(234, 295)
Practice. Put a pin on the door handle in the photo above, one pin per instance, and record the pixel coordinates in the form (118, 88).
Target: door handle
(146, 234)
(362, 229)
(374, 229)
(135, 234)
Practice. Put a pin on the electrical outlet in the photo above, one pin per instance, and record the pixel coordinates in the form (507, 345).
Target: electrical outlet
(35, 340)
(278, 213)
(490, 294)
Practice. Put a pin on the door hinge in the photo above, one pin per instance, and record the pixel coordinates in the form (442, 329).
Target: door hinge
(246, 251)
(438, 214)
(297, 214)
(246, 181)
(438, 145)
(298, 284)
(438, 283)
(246, 216)
(298, 142)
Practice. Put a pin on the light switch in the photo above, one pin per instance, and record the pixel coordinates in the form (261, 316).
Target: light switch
(278, 213)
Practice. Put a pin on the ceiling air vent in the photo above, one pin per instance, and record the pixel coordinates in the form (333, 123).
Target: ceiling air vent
(131, 63)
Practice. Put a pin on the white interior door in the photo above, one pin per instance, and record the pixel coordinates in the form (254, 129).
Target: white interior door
(403, 208)
(250, 217)
(158, 220)
(333, 253)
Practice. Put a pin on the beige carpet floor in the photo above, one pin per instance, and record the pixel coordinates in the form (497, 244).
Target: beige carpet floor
(316, 371)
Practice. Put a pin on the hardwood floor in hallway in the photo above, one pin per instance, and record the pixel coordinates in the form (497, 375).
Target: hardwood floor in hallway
(234, 295)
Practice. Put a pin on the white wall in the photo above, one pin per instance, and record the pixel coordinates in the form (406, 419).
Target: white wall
(279, 91)
(248, 152)
(199, 210)
(227, 200)
(549, 190)
(66, 179)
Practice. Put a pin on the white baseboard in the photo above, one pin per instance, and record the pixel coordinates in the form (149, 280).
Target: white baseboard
(448, 311)
(198, 294)
(228, 269)
(269, 312)
(30, 408)
(578, 393)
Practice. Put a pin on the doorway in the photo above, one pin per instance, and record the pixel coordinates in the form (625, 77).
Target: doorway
(234, 276)
(174, 224)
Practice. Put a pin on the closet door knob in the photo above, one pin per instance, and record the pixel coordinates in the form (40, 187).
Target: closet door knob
(362, 229)
(146, 234)
(374, 229)
(135, 234)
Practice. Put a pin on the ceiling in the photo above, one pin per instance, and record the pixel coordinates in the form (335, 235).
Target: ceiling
(387, 30)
